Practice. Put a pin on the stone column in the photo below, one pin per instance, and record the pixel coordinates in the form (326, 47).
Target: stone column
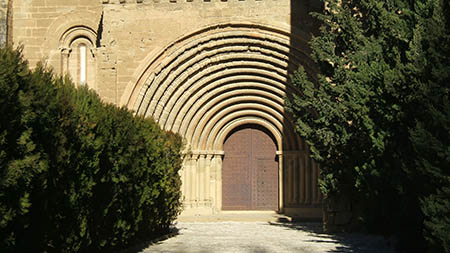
(208, 197)
(194, 182)
(65, 54)
(280, 181)
(201, 179)
(218, 158)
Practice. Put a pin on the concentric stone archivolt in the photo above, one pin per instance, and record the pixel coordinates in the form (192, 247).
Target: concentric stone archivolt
(220, 77)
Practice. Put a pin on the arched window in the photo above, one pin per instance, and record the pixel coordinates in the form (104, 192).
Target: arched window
(78, 55)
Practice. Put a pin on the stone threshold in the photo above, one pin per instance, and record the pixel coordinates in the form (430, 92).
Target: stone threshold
(238, 216)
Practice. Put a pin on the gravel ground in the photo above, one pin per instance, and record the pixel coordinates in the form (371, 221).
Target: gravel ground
(232, 236)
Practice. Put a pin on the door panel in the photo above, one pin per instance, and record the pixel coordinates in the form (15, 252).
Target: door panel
(250, 171)
(267, 184)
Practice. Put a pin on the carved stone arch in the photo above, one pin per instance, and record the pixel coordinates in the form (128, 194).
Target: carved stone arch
(76, 32)
(146, 72)
(228, 128)
(213, 80)
(77, 47)
(89, 19)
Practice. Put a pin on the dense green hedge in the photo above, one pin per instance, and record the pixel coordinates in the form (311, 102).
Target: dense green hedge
(77, 174)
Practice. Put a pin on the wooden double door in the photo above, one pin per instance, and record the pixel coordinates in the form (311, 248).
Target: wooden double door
(250, 170)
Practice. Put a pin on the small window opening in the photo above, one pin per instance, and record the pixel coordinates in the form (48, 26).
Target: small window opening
(83, 75)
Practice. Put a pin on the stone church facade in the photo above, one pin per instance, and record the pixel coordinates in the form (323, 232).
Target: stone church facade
(214, 71)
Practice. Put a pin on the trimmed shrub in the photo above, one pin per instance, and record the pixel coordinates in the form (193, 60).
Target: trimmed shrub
(78, 174)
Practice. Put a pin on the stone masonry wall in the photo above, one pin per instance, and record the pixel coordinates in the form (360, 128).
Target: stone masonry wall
(39, 24)
(3, 21)
(131, 32)
(134, 31)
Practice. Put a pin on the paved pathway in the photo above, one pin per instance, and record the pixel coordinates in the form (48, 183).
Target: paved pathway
(269, 236)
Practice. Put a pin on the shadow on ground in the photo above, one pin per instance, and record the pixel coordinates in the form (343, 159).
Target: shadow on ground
(350, 242)
(198, 237)
(142, 245)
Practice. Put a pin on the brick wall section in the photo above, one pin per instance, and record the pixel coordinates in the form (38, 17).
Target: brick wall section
(3, 21)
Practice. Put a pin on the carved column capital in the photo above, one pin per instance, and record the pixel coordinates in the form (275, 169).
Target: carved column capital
(66, 51)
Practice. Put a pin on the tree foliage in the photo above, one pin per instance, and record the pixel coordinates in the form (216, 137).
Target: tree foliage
(377, 114)
(77, 174)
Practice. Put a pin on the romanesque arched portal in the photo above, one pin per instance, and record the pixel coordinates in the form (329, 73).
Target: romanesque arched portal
(201, 68)
(208, 83)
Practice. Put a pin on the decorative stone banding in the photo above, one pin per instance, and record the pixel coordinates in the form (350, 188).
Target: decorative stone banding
(210, 64)
(221, 77)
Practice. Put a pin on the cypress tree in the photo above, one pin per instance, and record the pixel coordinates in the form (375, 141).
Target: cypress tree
(376, 116)
(430, 137)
